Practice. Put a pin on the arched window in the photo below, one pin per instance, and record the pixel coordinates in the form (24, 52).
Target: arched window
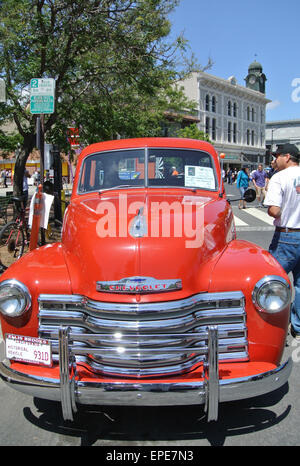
(234, 132)
(229, 131)
(207, 126)
(229, 108)
(234, 109)
(252, 137)
(213, 129)
(207, 102)
(248, 113)
(213, 104)
(252, 113)
(248, 137)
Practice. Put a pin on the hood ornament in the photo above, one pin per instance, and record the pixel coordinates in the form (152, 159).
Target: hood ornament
(138, 227)
(139, 285)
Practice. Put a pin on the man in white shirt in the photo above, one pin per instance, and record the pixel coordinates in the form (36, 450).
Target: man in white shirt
(283, 201)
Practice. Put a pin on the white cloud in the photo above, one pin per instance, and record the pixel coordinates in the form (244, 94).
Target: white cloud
(273, 104)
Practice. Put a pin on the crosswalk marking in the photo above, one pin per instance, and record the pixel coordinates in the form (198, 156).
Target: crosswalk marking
(260, 214)
(247, 222)
(239, 222)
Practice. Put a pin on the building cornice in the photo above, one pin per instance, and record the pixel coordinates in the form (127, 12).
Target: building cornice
(225, 85)
(282, 122)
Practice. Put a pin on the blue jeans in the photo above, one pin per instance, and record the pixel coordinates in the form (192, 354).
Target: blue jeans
(285, 247)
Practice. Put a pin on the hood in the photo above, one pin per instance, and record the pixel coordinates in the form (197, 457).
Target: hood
(161, 234)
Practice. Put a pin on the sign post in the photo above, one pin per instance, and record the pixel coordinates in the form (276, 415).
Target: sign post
(42, 97)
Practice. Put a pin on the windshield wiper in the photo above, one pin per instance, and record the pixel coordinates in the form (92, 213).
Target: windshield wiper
(116, 187)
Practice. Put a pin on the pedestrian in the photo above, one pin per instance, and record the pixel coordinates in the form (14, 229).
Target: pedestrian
(3, 178)
(229, 176)
(283, 201)
(242, 183)
(260, 181)
(234, 176)
(25, 187)
(273, 168)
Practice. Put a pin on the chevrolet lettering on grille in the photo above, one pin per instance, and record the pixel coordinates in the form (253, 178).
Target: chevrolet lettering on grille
(139, 285)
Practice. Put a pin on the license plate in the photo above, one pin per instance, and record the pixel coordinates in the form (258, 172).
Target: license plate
(28, 349)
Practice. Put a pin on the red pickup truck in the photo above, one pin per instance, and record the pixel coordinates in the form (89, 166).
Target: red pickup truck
(149, 298)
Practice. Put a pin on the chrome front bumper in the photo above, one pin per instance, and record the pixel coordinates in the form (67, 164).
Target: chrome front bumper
(210, 392)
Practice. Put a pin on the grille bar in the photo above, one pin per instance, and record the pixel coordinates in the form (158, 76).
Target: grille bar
(146, 339)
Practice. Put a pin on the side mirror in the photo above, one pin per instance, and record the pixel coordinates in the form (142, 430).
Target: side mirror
(249, 195)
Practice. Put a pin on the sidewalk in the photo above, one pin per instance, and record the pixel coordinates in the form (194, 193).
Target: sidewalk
(32, 189)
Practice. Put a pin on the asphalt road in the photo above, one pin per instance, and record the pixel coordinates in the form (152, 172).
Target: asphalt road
(268, 420)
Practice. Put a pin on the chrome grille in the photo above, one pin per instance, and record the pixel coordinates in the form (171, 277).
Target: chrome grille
(149, 339)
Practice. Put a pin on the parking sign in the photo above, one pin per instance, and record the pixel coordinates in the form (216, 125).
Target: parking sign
(42, 92)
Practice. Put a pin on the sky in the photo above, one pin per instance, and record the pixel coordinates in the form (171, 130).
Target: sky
(234, 33)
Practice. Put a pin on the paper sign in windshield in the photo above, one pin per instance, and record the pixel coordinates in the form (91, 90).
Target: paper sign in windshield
(199, 177)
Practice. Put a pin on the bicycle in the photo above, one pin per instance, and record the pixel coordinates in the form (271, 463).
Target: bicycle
(14, 236)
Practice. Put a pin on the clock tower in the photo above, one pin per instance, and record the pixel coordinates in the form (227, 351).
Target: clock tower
(256, 79)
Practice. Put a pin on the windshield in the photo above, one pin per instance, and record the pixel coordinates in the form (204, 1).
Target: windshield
(165, 167)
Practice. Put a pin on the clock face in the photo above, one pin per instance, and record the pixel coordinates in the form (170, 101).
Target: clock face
(252, 80)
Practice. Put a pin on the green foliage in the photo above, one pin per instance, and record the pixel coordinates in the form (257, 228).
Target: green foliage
(9, 143)
(112, 61)
(193, 132)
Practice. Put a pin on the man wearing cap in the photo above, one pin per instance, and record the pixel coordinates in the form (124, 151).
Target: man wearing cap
(283, 201)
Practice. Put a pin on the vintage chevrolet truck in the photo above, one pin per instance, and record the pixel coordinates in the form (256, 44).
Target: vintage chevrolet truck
(149, 298)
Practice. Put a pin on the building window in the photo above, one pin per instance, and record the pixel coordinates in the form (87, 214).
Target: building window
(229, 131)
(229, 108)
(207, 126)
(248, 113)
(213, 129)
(252, 137)
(248, 137)
(234, 109)
(207, 102)
(213, 104)
(252, 113)
(234, 132)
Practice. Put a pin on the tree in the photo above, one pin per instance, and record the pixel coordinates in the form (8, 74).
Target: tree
(193, 132)
(113, 66)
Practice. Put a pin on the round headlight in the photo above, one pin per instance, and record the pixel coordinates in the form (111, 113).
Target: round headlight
(271, 294)
(15, 298)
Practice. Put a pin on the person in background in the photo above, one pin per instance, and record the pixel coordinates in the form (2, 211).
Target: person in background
(25, 187)
(174, 171)
(283, 202)
(260, 181)
(273, 168)
(229, 176)
(242, 183)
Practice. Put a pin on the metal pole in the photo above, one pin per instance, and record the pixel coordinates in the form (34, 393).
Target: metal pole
(42, 149)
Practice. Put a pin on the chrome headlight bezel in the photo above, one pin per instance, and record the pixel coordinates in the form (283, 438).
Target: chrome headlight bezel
(265, 285)
(18, 295)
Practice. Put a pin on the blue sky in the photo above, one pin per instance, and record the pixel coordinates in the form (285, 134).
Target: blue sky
(235, 32)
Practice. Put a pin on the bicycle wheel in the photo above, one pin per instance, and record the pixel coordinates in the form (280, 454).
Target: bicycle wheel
(12, 244)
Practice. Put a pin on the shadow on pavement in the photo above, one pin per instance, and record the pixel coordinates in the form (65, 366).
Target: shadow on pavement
(144, 424)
